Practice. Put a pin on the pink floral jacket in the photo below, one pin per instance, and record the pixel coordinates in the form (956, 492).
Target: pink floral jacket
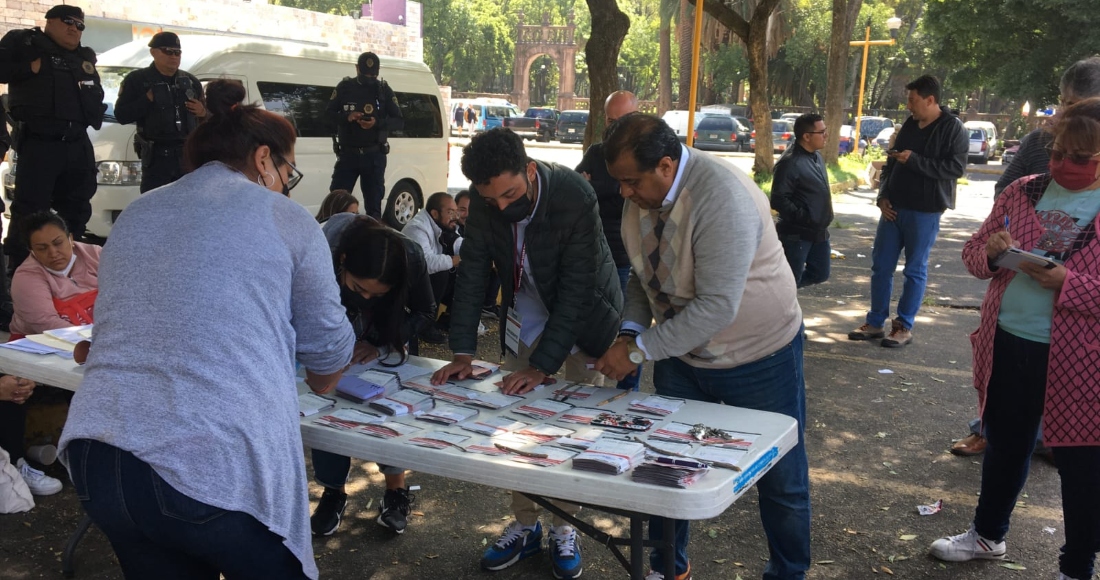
(1071, 416)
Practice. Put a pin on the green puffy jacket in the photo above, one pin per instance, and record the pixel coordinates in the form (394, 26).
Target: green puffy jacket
(570, 262)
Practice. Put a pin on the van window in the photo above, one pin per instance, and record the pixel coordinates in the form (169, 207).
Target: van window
(574, 118)
(303, 105)
(502, 112)
(977, 134)
(715, 124)
(421, 114)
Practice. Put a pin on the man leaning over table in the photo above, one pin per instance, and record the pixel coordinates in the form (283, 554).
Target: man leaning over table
(539, 223)
(709, 271)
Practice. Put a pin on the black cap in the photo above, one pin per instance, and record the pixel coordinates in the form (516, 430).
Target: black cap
(165, 40)
(368, 64)
(62, 10)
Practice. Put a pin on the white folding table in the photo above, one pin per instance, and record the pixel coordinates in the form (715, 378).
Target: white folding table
(707, 498)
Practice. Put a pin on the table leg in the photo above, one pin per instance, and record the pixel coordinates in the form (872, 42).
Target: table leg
(70, 547)
(637, 547)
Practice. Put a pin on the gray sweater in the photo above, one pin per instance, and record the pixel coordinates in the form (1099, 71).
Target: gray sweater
(209, 289)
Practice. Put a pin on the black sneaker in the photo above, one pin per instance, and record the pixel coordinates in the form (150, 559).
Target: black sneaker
(491, 312)
(330, 510)
(432, 335)
(394, 509)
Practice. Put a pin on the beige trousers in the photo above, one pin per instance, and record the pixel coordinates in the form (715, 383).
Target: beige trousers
(526, 511)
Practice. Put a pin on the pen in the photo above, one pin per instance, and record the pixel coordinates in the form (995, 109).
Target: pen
(1006, 224)
(614, 398)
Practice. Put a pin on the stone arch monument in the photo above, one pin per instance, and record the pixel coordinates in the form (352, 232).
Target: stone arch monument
(534, 40)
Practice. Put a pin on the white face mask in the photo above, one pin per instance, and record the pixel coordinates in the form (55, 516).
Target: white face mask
(65, 272)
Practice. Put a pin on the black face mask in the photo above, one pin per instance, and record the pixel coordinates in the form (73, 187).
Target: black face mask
(519, 209)
(369, 81)
(353, 300)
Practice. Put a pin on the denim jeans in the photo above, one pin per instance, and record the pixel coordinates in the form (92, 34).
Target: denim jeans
(774, 383)
(630, 382)
(913, 232)
(331, 470)
(809, 260)
(1013, 412)
(158, 532)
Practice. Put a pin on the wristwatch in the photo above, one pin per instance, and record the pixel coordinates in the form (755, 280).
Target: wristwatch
(634, 352)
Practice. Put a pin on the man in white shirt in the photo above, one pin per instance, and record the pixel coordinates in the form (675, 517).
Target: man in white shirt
(434, 231)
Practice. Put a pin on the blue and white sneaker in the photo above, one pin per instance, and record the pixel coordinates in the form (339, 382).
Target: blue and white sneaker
(565, 553)
(515, 544)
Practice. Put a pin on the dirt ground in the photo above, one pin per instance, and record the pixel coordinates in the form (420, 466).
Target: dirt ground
(877, 444)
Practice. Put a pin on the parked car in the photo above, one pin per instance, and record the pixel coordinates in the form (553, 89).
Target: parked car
(490, 114)
(714, 133)
(1009, 154)
(790, 116)
(538, 123)
(990, 134)
(678, 120)
(870, 127)
(882, 140)
(571, 126)
(845, 139)
(782, 136)
(980, 151)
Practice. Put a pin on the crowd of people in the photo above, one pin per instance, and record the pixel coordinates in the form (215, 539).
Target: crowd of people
(590, 272)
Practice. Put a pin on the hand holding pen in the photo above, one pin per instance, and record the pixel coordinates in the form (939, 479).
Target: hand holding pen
(999, 242)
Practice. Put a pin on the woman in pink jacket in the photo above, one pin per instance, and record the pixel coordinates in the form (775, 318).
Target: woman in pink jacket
(1037, 349)
(58, 287)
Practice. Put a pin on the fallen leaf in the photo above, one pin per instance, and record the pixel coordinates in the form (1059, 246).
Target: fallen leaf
(881, 435)
(938, 380)
(908, 537)
(720, 561)
(712, 533)
(484, 541)
(1012, 566)
(887, 570)
(824, 562)
(420, 514)
(431, 556)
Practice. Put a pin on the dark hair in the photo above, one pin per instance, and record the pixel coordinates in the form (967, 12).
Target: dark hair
(337, 201)
(647, 138)
(805, 123)
(462, 195)
(1078, 127)
(236, 130)
(36, 221)
(493, 153)
(370, 249)
(926, 86)
(435, 202)
(1082, 78)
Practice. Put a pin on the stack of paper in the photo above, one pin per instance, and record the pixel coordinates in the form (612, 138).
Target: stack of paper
(493, 426)
(438, 439)
(349, 419)
(657, 405)
(33, 347)
(669, 471)
(455, 394)
(388, 430)
(542, 408)
(575, 391)
(610, 456)
(311, 404)
(719, 456)
(681, 432)
(482, 369)
(544, 433)
(447, 414)
(424, 385)
(494, 400)
(71, 334)
(580, 415)
(403, 402)
(482, 445)
(582, 439)
(541, 455)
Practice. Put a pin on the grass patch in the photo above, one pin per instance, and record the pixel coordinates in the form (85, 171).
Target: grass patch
(847, 168)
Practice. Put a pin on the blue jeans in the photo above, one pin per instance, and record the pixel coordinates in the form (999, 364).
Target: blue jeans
(809, 260)
(157, 532)
(331, 470)
(774, 383)
(913, 232)
(630, 382)
(1013, 412)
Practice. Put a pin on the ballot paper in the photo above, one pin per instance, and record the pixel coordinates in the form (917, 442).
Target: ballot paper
(493, 426)
(610, 456)
(455, 394)
(681, 432)
(580, 415)
(544, 433)
(656, 405)
(542, 408)
(310, 404)
(447, 414)
(388, 430)
(438, 439)
(669, 471)
(494, 400)
(403, 402)
(541, 455)
(582, 439)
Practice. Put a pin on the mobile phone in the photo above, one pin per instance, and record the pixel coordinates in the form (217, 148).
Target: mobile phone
(891, 151)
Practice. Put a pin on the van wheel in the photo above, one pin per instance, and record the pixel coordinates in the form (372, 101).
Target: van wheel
(402, 204)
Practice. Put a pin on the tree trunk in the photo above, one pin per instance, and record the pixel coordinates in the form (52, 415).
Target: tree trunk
(758, 97)
(601, 54)
(844, 15)
(664, 88)
(686, 37)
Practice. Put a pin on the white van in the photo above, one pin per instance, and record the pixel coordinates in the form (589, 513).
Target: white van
(296, 81)
(990, 134)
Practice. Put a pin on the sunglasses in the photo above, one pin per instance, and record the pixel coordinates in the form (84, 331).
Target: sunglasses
(70, 21)
(171, 51)
(1075, 158)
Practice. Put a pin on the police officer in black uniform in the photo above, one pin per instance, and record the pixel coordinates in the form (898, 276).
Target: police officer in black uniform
(365, 111)
(54, 96)
(166, 103)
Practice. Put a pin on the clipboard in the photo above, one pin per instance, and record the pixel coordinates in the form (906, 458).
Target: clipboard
(1013, 257)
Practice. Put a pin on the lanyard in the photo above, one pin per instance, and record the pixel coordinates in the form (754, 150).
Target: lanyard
(517, 269)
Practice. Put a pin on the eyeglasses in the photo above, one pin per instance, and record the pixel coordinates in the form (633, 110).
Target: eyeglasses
(171, 51)
(295, 176)
(1075, 158)
(70, 21)
(816, 132)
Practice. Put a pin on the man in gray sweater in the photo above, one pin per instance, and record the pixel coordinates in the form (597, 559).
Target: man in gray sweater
(710, 276)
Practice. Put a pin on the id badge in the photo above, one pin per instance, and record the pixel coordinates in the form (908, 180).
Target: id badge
(512, 327)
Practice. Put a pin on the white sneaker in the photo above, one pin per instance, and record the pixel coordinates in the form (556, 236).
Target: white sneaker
(39, 483)
(967, 546)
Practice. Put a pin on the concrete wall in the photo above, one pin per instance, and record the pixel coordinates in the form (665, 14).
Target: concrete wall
(254, 18)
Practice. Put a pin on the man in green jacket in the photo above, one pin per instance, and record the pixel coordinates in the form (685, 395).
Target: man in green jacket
(539, 223)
